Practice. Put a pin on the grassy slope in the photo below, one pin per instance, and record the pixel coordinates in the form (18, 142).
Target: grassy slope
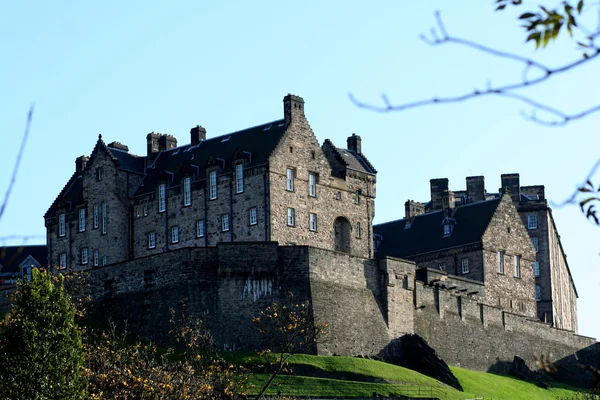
(475, 384)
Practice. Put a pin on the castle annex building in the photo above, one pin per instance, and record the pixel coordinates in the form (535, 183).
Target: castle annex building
(272, 182)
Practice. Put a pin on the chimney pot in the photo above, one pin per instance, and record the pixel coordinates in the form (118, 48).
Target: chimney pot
(197, 134)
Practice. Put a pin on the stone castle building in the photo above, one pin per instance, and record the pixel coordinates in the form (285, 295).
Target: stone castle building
(555, 292)
(230, 224)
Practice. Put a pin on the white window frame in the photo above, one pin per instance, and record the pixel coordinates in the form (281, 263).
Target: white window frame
(312, 222)
(62, 260)
(536, 243)
(358, 230)
(538, 293)
(187, 191)
(175, 234)
(104, 260)
(501, 262)
(239, 178)
(532, 221)
(62, 225)
(447, 230)
(200, 232)
(225, 223)
(162, 197)
(82, 220)
(96, 258)
(290, 176)
(464, 265)
(85, 256)
(145, 211)
(517, 266)
(212, 187)
(152, 240)
(104, 218)
(96, 216)
(291, 217)
(536, 268)
(312, 184)
(253, 216)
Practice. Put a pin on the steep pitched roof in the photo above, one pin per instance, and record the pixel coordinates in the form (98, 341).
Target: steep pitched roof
(69, 194)
(12, 256)
(256, 144)
(357, 162)
(425, 233)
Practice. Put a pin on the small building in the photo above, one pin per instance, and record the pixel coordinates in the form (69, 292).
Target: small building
(16, 262)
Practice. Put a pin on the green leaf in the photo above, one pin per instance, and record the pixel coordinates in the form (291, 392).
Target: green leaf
(527, 15)
(501, 7)
(580, 6)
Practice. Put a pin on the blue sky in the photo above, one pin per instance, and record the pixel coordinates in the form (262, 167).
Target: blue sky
(124, 69)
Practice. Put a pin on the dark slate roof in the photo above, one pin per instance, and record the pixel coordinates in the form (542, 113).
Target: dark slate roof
(425, 234)
(357, 162)
(127, 161)
(255, 143)
(12, 256)
(69, 194)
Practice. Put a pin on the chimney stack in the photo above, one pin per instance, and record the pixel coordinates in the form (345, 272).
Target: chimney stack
(80, 163)
(167, 142)
(354, 143)
(293, 107)
(439, 190)
(413, 208)
(511, 182)
(118, 146)
(152, 144)
(475, 189)
(197, 134)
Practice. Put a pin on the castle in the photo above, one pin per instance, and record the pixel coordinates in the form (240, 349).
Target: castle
(231, 223)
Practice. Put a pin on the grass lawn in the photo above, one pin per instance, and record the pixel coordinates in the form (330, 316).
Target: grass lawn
(392, 380)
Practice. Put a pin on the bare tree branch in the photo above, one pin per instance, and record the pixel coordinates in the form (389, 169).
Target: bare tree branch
(545, 73)
(18, 162)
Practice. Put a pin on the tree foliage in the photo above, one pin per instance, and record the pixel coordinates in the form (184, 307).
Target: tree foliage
(41, 347)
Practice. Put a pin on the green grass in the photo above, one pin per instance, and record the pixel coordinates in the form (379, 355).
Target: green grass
(394, 381)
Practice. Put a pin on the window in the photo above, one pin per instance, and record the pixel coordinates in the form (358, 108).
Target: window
(104, 261)
(61, 225)
(63, 260)
(239, 178)
(290, 174)
(84, 255)
(517, 266)
(145, 211)
(536, 244)
(200, 228)
(96, 258)
(312, 222)
(312, 184)
(357, 199)
(338, 196)
(187, 191)
(536, 268)
(442, 266)
(104, 219)
(532, 221)
(447, 229)
(162, 201)
(99, 173)
(358, 230)
(152, 240)
(252, 216)
(137, 212)
(225, 222)
(291, 217)
(82, 220)
(500, 262)
(312, 154)
(538, 293)
(464, 264)
(96, 216)
(175, 234)
(212, 189)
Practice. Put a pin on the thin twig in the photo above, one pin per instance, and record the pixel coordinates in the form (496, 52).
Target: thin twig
(571, 199)
(18, 162)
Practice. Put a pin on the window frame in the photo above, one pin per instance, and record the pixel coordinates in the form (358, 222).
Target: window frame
(187, 191)
(358, 194)
(162, 197)
(253, 216)
(291, 217)
(532, 221)
(104, 218)
(62, 260)
(212, 185)
(312, 184)
(517, 261)
(358, 230)
(290, 175)
(538, 293)
(96, 217)
(464, 266)
(200, 228)
(501, 254)
(81, 214)
(312, 222)
(536, 269)
(225, 223)
(62, 225)
(85, 256)
(96, 258)
(536, 243)
(175, 234)
(239, 178)
(152, 240)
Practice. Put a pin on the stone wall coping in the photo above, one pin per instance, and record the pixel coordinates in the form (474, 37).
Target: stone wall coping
(450, 276)
(404, 260)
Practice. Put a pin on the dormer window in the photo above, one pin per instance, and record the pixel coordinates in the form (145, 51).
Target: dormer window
(448, 224)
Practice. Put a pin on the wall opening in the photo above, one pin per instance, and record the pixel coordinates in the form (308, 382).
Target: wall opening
(342, 229)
